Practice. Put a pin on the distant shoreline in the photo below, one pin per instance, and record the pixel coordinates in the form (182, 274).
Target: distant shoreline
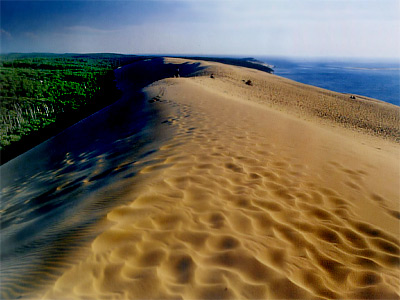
(370, 78)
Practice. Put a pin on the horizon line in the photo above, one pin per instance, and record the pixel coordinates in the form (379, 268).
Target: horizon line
(217, 55)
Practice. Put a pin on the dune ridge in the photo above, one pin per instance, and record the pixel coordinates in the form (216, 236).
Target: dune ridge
(249, 200)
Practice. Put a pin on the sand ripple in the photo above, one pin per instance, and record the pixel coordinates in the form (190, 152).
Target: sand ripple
(244, 202)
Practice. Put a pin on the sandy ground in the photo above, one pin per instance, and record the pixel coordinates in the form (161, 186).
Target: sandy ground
(274, 190)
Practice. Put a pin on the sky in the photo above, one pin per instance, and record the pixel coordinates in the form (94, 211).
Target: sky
(297, 28)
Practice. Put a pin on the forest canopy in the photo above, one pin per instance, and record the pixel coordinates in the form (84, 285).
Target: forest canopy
(38, 90)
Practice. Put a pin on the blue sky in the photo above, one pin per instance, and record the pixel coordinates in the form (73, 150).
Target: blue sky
(329, 28)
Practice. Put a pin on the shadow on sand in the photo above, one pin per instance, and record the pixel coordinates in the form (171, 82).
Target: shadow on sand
(53, 194)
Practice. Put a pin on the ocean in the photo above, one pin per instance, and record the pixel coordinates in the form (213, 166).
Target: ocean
(375, 79)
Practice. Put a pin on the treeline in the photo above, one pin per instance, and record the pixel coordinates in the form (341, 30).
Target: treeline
(42, 94)
(248, 62)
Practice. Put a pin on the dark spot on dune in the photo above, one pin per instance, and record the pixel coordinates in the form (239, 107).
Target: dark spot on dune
(321, 214)
(254, 176)
(329, 265)
(386, 246)
(152, 258)
(376, 198)
(227, 259)
(328, 235)
(391, 260)
(229, 243)
(278, 257)
(394, 213)
(234, 168)
(368, 229)
(370, 278)
(352, 185)
(217, 220)
(366, 263)
(339, 202)
(183, 264)
(357, 240)
(184, 269)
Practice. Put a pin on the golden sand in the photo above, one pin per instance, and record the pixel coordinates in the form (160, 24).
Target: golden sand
(274, 190)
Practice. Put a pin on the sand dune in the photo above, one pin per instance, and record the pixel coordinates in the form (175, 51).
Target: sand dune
(272, 191)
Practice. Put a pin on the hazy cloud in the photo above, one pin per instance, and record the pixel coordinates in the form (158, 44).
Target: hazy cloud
(88, 29)
(4, 33)
(31, 35)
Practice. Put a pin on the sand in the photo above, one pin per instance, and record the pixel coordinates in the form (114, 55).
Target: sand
(274, 190)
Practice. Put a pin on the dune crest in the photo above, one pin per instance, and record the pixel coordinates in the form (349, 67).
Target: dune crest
(246, 201)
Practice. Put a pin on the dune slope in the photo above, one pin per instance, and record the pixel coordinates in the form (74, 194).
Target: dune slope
(248, 200)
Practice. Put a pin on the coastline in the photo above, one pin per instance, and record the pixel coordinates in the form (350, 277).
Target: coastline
(260, 191)
(374, 78)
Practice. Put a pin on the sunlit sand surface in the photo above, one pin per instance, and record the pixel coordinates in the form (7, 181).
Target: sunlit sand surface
(274, 190)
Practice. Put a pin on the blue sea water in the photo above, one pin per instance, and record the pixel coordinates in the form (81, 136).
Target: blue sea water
(375, 79)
